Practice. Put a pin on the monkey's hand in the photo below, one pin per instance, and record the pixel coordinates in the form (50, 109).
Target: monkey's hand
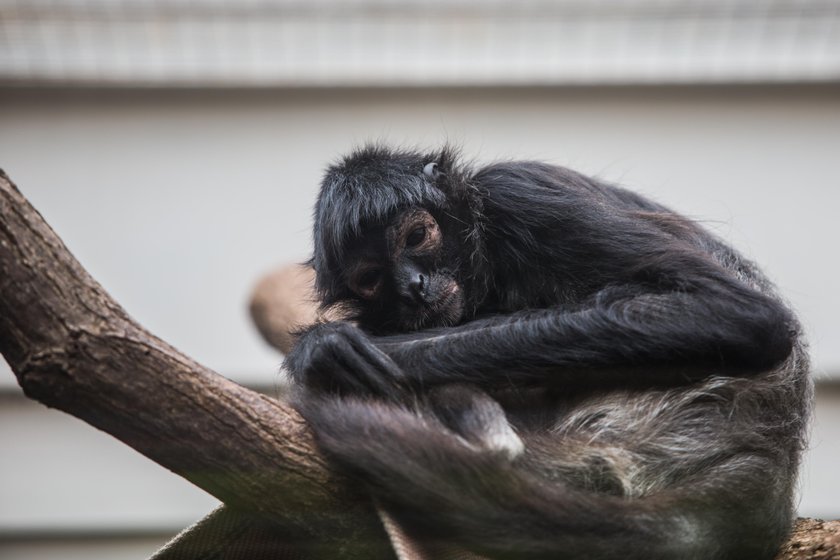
(339, 358)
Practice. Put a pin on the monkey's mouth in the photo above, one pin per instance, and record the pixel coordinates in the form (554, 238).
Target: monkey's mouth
(445, 308)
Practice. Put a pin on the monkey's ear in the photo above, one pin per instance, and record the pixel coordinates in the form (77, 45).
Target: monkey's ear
(431, 170)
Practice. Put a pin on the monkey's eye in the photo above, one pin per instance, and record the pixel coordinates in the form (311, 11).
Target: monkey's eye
(416, 237)
(366, 282)
(430, 170)
(368, 279)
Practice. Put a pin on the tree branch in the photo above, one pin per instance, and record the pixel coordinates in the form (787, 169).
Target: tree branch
(74, 348)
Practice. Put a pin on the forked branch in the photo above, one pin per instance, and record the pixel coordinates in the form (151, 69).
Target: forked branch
(72, 347)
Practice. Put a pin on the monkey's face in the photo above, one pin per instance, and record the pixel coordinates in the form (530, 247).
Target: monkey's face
(404, 277)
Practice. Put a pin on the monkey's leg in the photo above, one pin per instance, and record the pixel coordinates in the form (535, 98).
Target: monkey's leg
(447, 492)
(476, 417)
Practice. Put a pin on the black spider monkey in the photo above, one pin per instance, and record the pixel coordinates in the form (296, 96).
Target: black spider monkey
(548, 366)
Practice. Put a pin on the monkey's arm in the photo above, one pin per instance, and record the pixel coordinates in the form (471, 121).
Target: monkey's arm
(716, 330)
(623, 336)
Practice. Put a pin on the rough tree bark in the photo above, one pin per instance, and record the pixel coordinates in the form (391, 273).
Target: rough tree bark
(72, 347)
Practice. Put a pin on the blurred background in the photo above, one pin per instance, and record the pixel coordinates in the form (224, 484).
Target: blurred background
(176, 146)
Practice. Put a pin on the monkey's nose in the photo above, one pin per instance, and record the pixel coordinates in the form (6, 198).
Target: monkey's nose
(417, 285)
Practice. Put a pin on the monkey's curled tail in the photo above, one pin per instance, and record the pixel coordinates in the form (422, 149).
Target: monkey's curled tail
(445, 490)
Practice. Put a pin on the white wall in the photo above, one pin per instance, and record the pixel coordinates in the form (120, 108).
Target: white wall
(177, 201)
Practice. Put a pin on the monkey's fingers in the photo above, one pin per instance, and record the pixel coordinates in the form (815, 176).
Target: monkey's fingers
(381, 370)
(374, 369)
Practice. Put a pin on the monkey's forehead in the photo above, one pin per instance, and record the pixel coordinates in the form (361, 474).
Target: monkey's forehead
(348, 206)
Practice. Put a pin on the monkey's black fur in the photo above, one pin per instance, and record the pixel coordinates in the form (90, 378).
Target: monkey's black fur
(601, 378)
